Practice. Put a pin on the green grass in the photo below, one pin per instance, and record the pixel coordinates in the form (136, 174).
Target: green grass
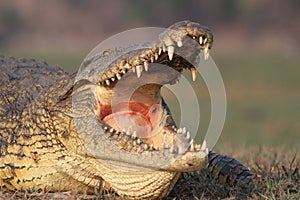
(277, 177)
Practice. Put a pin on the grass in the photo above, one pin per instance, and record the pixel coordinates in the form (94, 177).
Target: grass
(277, 177)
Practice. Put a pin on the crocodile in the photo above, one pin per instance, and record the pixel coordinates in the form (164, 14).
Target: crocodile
(60, 131)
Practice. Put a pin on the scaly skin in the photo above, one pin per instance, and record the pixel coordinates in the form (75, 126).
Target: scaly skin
(57, 130)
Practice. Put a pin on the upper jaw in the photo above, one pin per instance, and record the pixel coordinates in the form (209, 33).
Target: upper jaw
(175, 47)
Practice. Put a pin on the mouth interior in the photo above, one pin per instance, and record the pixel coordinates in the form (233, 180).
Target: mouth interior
(132, 103)
(135, 106)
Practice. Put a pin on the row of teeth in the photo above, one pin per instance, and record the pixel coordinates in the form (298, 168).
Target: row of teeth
(193, 146)
(137, 141)
(170, 49)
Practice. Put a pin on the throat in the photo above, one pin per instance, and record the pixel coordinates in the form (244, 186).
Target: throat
(137, 118)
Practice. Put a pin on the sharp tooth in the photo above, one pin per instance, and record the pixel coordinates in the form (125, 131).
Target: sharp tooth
(165, 145)
(107, 82)
(184, 130)
(151, 147)
(152, 59)
(145, 147)
(127, 66)
(170, 52)
(204, 146)
(123, 71)
(118, 76)
(164, 48)
(194, 74)
(139, 70)
(112, 79)
(205, 40)
(192, 142)
(206, 151)
(159, 51)
(200, 40)
(179, 130)
(111, 130)
(156, 56)
(197, 147)
(179, 43)
(206, 54)
(133, 69)
(105, 128)
(146, 65)
(192, 147)
(127, 132)
(188, 135)
(134, 134)
(165, 138)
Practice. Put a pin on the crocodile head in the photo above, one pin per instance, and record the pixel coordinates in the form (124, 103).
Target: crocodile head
(118, 111)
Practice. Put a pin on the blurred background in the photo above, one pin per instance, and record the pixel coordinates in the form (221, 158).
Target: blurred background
(256, 48)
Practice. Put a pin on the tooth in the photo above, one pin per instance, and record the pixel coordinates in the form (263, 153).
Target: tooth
(204, 146)
(156, 56)
(179, 130)
(164, 48)
(133, 69)
(206, 54)
(188, 135)
(184, 130)
(174, 148)
(105, 128)
(134, 134)
(123, 71)
(118, 76)
(170, 52)
(145, 147)
(165, 138)
(205, 40)
(151, 147)
(177, 81)
(179, 43)
(127, 132)
(197, 147)
(127, 66)
(138, 141)
(139, 70)
(200, 40)
(152, 59)
(206, 151)
(194, 74)
(192, 142)
(192, 145)
(111, 130)
(159, 51)
(146, 65)
(107, 82)
(112, 79)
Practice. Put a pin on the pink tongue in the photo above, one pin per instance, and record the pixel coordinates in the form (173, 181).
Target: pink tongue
(126, 119)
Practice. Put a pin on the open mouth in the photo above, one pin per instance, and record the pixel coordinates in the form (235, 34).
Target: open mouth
(129, 95)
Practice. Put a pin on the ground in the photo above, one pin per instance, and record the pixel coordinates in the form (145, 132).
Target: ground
(277, 177)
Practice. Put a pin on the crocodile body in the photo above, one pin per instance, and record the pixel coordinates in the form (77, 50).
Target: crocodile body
(47, 144)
